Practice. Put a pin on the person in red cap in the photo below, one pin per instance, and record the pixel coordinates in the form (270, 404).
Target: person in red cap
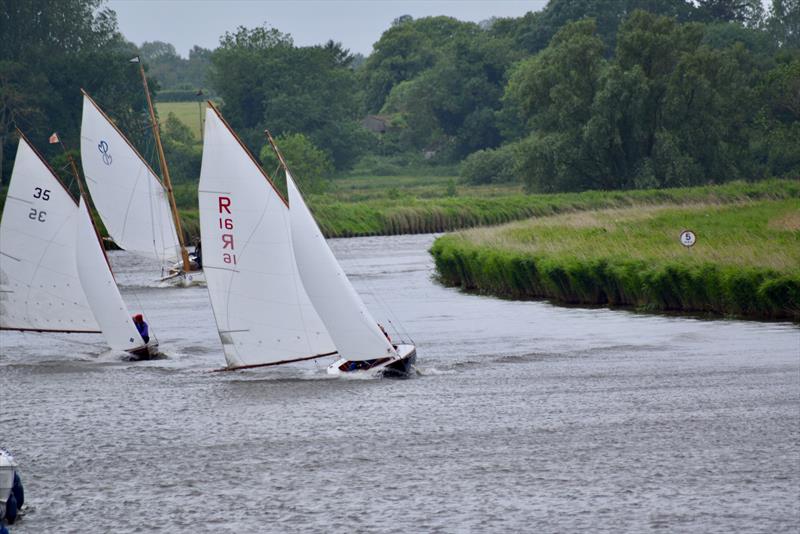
(142, 327)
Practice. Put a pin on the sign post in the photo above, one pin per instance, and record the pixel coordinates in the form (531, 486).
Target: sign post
(688, 239)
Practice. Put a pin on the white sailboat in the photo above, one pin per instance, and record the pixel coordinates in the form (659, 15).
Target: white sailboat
(274, 305)
(262, 312)
(54, 276)
(137, 209)
(363, 344)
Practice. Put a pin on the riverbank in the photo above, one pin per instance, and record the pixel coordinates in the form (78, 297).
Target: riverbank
(434, 204)
(746, 261)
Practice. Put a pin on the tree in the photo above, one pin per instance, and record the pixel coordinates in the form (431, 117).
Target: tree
(749, 12)
(52, 48)
(784, 22)
(405, 50)
(265, 81)
(666, 110)
(309, 166)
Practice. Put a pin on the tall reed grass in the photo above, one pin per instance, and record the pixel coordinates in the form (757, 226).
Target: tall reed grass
(746, 261)
(409, 215)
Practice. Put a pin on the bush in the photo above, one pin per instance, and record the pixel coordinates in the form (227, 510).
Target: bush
(490, 166)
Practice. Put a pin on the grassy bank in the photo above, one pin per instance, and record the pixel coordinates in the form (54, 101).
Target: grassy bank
(746, 261)
(350, 209)
(476, 206)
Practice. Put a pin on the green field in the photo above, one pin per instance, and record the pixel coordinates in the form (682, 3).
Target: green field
(190, 113)
(746, 261)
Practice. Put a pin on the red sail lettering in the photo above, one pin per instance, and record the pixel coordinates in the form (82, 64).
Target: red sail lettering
(224, 203)
(227, 241)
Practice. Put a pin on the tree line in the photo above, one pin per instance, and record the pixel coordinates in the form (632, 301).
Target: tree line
(584, 94)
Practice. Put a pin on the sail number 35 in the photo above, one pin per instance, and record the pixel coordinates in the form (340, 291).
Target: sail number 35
(35, 214)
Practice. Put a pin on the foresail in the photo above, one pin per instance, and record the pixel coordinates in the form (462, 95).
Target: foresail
(352, 328)
(262, 311)
(100, 288)
(127, 194)
(39, 284)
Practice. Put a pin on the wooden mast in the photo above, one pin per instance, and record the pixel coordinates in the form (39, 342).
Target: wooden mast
(162, 163)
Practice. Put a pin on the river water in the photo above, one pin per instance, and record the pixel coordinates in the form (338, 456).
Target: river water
(523, 417)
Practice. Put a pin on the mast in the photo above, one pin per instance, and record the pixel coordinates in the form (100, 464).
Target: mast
(275, 148)
(162, 163)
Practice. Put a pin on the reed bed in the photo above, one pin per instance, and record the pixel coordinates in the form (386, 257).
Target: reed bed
(408, 214)
(745, 263)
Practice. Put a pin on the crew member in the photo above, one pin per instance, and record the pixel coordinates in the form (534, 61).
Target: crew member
(142, 327)
(198, 254)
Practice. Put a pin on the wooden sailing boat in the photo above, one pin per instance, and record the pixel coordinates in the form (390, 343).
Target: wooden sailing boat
(137, 208)
(54, 275)
(277, 298)
(262, 312)
(363, 344)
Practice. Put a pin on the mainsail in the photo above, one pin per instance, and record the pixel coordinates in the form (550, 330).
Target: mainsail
(354, 332)
(40, 288)
(263, 314)
(126, 192)
(100, 288)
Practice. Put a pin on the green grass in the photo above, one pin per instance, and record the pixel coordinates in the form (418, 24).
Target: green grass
(746, 261)
(362, 214)
(362, 207)
(187, 112)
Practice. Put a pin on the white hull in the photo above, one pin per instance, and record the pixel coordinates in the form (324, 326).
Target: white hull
(311, 364)
(181, 279)
(400, 365)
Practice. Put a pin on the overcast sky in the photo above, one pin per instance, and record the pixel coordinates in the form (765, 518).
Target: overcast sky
(356, 24)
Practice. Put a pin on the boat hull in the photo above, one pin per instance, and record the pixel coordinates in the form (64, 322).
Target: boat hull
(400, 366)
(148, 352)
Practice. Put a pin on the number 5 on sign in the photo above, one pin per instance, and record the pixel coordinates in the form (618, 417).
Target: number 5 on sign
(688, 238)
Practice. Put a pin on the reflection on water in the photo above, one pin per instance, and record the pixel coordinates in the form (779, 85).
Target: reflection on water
(523, 417)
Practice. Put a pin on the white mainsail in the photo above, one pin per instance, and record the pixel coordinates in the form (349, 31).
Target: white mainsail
(126, 192)
(263, 314)
(40, 288)
(100, 288)
(354, 332)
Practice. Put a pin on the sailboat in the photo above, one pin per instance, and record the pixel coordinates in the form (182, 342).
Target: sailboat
(138, 210)
(268, 311)
(361, 341)
(54, 275)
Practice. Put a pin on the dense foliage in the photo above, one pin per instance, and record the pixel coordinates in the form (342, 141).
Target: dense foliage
(50, 50)
(584, 94)
(264, 80)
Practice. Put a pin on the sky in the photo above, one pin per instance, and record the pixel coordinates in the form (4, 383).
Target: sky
(357, 24)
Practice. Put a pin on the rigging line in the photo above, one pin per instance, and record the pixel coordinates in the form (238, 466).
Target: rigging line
(376, 294)
(151, 200)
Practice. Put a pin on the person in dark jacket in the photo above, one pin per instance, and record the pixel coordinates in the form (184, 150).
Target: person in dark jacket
(142, 327)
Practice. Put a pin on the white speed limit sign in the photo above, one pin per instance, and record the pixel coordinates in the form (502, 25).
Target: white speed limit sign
(688, 238)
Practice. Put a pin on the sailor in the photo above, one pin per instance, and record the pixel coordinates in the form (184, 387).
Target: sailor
(198, 254)
(142, 327)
